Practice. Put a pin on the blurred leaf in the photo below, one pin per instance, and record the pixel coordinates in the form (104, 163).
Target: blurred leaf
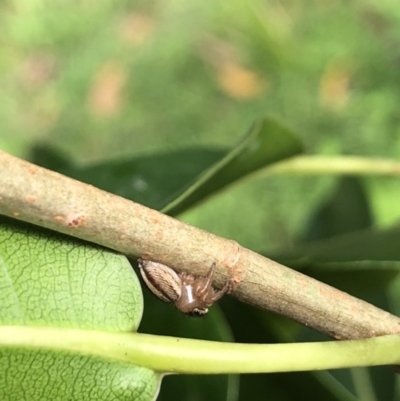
(365, 245)
(357, 278)
(162, 319)
(265, 214)
(257, 326)
(374, 381)
(347, 210)
(384, 195)
(266, 143)
(50, 279)
(183, 178)
(263, 35)
(48, 157)
(361, 262)
(149, 179)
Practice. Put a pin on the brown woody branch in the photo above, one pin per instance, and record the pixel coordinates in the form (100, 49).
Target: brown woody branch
(49, 199)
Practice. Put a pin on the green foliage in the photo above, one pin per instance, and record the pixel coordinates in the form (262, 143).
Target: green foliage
(49, 279)
(45, 375)
(57, 280)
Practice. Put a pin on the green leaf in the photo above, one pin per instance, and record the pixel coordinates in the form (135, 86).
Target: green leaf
(178, 180)
(42, 375)
(49, 279)
(359, 262)
(357, 278)
(52, 279)
(48, 157)
(150, 179)
(372, 244)
(337, 259)
(346, 210)
(266, 143)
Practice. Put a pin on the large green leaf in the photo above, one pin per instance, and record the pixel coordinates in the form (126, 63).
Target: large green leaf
(52, 279)
(49, 279)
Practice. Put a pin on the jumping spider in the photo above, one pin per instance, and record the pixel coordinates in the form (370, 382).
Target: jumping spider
(191, 295)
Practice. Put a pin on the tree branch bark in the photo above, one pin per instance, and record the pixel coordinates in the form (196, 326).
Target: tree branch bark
(48, 199)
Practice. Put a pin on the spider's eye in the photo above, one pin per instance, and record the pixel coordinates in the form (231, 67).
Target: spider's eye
(196, 312)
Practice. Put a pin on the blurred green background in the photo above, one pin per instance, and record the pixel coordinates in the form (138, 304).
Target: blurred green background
(96, 86)
(112, 80)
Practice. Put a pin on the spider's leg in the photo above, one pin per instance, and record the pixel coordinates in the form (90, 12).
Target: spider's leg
(206, 282)
(226, 288)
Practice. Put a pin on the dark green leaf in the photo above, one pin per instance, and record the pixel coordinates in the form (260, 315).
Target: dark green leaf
(347, 210)
(176, 181)
(266, 143)
(150, 179)
(358, 263)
